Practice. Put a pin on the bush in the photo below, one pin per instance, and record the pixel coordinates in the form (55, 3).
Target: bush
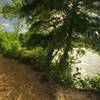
(32, 55)
(9, 44)
(92, 83)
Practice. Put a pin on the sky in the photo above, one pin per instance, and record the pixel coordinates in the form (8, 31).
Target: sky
(7, 24)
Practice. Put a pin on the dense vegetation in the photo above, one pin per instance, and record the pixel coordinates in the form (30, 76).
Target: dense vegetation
(56, 28)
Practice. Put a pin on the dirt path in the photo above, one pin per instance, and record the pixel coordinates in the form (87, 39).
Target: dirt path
(19, 82)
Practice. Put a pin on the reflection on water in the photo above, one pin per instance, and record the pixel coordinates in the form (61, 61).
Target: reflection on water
(90, 64)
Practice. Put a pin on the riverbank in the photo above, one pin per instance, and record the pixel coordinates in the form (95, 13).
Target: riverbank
(19, 82)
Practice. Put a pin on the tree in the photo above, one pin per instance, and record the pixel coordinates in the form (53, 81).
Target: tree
(61, 25)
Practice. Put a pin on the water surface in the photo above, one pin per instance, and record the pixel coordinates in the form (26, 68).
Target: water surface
(90, 64)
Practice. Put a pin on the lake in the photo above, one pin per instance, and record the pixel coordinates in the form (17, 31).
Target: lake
(90, 64)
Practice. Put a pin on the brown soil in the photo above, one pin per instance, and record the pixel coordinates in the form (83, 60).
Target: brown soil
(20, 82)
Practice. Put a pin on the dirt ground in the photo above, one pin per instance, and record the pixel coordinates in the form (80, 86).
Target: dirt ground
(20, 82)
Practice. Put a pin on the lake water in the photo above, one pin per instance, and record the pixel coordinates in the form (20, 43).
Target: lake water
(90, 64)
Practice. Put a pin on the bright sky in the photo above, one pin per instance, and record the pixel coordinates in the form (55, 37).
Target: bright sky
(7, 24)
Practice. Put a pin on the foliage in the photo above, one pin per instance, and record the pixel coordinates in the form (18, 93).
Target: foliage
(11, 46)
(59, 24)
(9, 43)
(92, 83)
